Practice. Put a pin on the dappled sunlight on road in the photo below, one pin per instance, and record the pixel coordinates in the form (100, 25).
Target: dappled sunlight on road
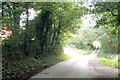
(80, 58)
(69, 51)
(77, 67)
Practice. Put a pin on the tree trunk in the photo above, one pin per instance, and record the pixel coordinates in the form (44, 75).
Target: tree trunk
(58, 30)
(27, 13)
(54, 34)
(26, 40)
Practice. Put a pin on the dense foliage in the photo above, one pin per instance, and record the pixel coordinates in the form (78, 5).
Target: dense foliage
(105, 30)
(40, 37)
(109, 18)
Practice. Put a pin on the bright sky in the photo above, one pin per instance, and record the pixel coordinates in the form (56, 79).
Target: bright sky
(87, 19)
(32, 15)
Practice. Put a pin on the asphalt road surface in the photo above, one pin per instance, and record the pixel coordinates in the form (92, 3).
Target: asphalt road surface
(78, 67)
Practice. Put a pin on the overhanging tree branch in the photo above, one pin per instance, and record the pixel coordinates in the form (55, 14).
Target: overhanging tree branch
(106, 9)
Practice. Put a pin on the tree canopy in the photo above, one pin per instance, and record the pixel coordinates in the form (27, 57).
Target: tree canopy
(55, 24)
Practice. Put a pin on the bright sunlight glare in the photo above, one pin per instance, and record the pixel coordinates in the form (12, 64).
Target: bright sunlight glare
(23, 16)
(82, 59)
(96, 44)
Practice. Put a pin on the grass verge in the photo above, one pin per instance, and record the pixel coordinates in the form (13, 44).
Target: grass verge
(21, 67)
(84, 52)
(108, 62)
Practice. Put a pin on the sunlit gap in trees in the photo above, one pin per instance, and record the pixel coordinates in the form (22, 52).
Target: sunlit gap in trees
(81, 59)
(96, 44)
(23, 16)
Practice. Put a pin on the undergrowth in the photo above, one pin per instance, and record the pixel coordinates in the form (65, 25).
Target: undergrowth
(18, 68)
(111, 60)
